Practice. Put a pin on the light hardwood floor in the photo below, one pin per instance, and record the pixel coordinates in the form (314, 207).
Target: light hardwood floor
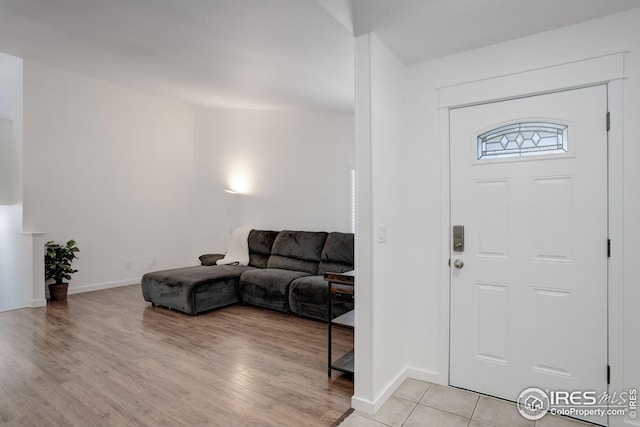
(108, 358)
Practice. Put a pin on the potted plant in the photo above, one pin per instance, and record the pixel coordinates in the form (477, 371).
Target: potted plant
(57, 267)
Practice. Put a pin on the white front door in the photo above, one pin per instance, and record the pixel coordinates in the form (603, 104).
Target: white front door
(529, 185)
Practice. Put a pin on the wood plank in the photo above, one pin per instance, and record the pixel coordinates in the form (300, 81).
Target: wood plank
(346, 278)
(108, 358)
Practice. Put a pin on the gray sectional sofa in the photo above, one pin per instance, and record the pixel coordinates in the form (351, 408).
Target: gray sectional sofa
(285, 273)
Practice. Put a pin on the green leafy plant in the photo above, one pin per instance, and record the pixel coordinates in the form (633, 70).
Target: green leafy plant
(58, 259)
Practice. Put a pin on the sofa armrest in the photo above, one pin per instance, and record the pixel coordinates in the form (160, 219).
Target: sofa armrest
(210, 259)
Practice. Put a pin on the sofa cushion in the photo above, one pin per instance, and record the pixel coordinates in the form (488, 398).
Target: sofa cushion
(260, 244)
(268, 287)
(337, 254)
(297, 250)
(308, 298)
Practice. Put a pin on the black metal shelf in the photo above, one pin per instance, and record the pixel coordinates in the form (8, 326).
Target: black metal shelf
(346, 362)
(348, 319)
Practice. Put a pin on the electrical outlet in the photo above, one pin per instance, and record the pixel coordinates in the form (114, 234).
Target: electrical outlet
(127, 265)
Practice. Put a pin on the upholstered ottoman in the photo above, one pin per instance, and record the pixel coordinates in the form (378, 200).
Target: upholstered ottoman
(193, 290)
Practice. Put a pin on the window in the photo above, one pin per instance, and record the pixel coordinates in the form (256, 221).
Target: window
(353, 200)
(523, 139)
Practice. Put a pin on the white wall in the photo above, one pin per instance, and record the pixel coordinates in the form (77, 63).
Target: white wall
(15, 289)
(111, 168)
(424, 259)
(136, 178)
(292, 168)
(11, 111)
(424, 280)
(8, 162)
(383, 200)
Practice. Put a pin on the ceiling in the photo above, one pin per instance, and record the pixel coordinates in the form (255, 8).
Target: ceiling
(274, 54)
(419, 30)
(277, 54)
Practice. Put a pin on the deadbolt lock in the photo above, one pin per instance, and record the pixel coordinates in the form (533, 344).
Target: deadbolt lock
(458, 238)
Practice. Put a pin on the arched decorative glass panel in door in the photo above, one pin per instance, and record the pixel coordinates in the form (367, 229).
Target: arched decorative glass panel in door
(523, 139)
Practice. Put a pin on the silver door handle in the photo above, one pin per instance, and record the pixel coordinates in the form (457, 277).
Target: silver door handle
(458, 263)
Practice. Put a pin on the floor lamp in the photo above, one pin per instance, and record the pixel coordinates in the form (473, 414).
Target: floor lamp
(234, 195)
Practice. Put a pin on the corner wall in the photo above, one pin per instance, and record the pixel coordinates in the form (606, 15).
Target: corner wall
(292, 169)
(137, 179)
(110, 167)
(382, 232)
(15, 288)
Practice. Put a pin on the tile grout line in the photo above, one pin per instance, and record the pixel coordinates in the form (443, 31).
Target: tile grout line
(474, 409)
(415, 404)
(419, 402)
(408, 416)
(369, 417)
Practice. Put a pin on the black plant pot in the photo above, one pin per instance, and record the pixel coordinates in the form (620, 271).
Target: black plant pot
(58, 291)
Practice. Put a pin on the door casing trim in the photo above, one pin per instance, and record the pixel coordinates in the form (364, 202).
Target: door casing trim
(546, 80)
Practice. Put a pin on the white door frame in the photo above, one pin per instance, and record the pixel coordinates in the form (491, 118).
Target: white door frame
(607, 69)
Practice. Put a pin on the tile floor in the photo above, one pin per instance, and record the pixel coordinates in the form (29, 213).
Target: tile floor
(417, 403)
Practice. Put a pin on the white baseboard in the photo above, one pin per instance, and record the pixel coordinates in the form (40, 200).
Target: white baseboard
(362, 405)
(428, 376)
(371, 408)
(35, 303)
(102, 286)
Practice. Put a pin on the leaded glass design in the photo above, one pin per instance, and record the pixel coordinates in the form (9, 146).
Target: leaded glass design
(523, 139)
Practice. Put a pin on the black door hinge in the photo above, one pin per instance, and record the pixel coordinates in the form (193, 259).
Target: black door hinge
(608, 248)
(608, 374)
(608, 121)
